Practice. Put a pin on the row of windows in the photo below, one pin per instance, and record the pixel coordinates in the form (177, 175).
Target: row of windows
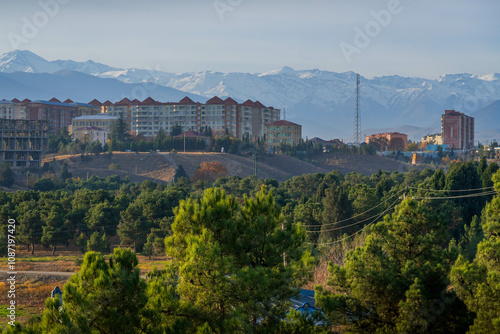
(277, 135)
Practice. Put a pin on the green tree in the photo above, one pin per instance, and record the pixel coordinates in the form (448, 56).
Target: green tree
(30, 224)
(133, 227)
(176, 130)
(63, 173)
(55, 231)
(101, 298)
(397, 281)
(102, 217)
(180, 172)
(98, 242)
(220, 248)
(478, 283)
(6, 176)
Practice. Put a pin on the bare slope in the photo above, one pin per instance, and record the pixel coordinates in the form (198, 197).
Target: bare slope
(162, 166)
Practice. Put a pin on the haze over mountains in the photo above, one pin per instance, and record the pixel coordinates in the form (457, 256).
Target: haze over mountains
(322, 101)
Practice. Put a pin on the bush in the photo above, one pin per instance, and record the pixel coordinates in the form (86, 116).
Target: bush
(114, 166)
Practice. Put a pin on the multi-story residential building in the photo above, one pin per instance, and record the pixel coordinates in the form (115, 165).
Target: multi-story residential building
(389, 136)
(457, 129)
(101, 120)
(58, 114)
(282, 132)
(22, 142)
(10, 109)
(90, 134)
(149, 116)
(435, 139)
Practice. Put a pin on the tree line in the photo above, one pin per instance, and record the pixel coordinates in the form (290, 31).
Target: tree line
(240, 248)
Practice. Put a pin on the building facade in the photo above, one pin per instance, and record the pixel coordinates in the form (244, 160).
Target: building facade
(222, 116)
(90, 134)
(10, 109)
(282, 132)
(22, 142)
(390, 136)
(58, 114)
(435, 139)
(101, 120)
(457, 130)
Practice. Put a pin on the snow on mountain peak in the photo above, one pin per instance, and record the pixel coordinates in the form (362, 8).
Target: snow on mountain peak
(285, 70)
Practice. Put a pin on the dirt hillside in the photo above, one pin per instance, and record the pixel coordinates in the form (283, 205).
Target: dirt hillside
(161, 166)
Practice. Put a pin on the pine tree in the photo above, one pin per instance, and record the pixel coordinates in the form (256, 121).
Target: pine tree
(220, 248)
(478, 283)
(397, 279)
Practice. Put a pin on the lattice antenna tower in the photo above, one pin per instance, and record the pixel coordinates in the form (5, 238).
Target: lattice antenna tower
(357, 116)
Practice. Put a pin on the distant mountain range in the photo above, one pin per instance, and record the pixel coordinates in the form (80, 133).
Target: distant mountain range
(323, 102)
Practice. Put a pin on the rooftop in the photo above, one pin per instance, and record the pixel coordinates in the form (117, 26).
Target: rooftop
(283, 122)
(100, 116)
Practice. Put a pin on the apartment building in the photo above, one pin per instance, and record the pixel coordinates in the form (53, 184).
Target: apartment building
(457, 130)
(22, 142)
(389, 136)
(58, 114)
(90, 134)
(149, 116)
(101, 120)
(282, 132)
(10, 109)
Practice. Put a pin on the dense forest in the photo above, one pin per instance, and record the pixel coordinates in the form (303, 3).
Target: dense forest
(407, 252)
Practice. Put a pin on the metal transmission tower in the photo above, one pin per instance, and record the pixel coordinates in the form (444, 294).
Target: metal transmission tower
(357, 117)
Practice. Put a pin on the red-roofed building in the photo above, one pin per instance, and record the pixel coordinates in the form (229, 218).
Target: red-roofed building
(222, 116)
(68, 101)
(90, 134)
(215, 100)
(186, 100)
(395, 141)
(282, 132)
(54, 100)
(194, 135)
(457, 130)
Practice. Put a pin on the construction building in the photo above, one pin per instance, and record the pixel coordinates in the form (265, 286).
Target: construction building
(22, 142)
(457, 130)
(282, 132)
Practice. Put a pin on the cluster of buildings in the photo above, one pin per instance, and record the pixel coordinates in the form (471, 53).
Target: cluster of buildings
(26, 124)
(457, 132)
(94, 120)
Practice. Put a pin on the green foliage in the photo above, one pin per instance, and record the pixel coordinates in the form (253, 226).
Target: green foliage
(98, 242)
(6, 175)
(390, 283)
(44, 184)
(103, 297)
(220, 247)
(478, 283)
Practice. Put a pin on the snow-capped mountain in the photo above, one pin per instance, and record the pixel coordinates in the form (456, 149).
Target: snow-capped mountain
(27, 61)
(322, 101)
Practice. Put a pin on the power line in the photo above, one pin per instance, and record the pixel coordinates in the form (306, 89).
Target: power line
(350, 236)
(459, 196)
(357, 223)
(359, 214)
(451, 190)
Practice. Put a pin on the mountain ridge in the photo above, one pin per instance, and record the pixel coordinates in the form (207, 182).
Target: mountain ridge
(322, 101)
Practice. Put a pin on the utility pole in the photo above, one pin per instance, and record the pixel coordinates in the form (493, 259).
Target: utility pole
(255, 164)
(184, 141)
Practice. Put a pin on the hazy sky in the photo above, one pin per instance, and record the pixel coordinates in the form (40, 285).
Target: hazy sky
(423, 38)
